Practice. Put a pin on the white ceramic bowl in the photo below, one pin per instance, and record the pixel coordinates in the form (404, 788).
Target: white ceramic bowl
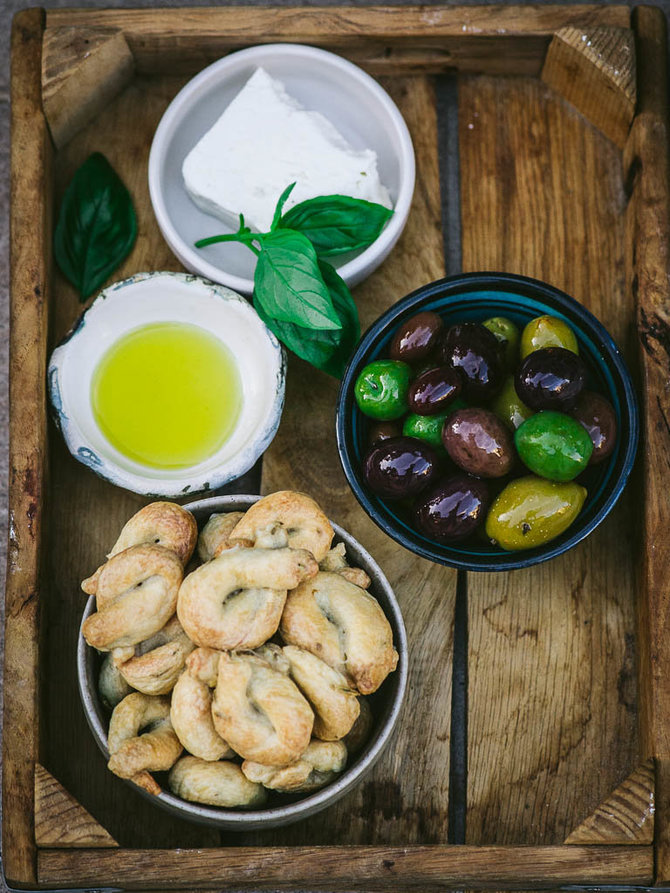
(356, 105)
(147, 298)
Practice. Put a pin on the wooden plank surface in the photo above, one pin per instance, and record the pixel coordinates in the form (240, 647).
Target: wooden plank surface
(648, 272)
(404, 799)
(30, 262)
(368, 868)
(552, 702)
(385, 40)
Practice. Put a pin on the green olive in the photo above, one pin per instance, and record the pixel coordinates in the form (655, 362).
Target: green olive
(547, 331)
(508, 407)
(531, 511)
(426, 427)
(554, 445)
(508, 335)
(381, 389)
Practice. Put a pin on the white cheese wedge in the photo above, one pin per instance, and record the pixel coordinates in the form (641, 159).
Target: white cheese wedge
(265, 140)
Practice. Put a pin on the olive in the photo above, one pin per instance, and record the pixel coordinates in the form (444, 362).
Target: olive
(474, 350)
(479, 443)
(400, 467)
(531, 511)
(597, 416)
(426, 427)
(381, 389)
(550, 378)
(383, 431)
(453, 509)
(508, 407)
(507, 335)
(432, 391)
(415, 339)
(547, 331)
(554, 445)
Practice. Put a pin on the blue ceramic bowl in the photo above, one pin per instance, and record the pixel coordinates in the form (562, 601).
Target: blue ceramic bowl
(475, 297)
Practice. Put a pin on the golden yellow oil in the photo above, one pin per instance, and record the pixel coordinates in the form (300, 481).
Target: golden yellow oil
(167, 395)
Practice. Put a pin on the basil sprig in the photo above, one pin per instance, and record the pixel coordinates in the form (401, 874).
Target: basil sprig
(96, 226)
(298, 295)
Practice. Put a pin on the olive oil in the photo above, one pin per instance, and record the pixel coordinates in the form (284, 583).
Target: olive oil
(167, 395)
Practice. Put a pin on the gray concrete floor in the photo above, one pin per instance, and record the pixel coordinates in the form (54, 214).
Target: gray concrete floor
(7, 10)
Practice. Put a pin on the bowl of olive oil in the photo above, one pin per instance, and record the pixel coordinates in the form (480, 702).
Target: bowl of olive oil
(167, 385)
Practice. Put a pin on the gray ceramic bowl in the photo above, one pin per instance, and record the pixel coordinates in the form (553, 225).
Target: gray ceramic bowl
(282, 809)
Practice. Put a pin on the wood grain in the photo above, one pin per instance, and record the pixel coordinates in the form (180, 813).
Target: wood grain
(331, 868)
(648, 272)
(626, 816)
(29, 285)
(552, 715)
(404, 799)
(60, 821)
(384, 40)
(594, 69)
(83, 69)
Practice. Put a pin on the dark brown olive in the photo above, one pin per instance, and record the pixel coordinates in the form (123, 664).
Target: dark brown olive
(415, 339)
(474, 350)
(550, 378)
(597, 416)
(453, 509)
(383, 431)
(400, 467)
(479, 442)
(431, 392)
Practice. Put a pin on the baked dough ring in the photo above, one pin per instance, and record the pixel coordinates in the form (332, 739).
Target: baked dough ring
(335, 561)
(160, 524)
(134, 753)
(191, 717)
(136, 596)
(236, 600)
(259, 711)
(335, 705)
(218, 784)
(159, 660)
(214, 536)
(344, 626)
(111, 684)
(360, 731)
(286, 518)
(318, 765)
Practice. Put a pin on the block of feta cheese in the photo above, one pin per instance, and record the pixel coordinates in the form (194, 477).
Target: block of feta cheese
(265, 140)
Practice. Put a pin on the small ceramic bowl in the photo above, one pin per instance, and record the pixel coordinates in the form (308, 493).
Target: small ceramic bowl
(473, 298)
(148, 298)
(281, 809)
(356, 105)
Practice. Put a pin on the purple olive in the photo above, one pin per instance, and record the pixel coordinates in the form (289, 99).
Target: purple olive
(415, 339)
(453, 509)
(550, 378)
(597, 416)
(474, 350)
(431, 392)
(383, 431)
(400, 467)
(479, 442)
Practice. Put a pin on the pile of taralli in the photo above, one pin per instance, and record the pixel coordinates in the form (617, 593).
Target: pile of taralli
(245, 672)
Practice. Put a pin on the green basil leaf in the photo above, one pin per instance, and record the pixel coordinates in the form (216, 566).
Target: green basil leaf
(280, 206)
(288, 283)
(326, 350)
(96, 226)
(337, 223)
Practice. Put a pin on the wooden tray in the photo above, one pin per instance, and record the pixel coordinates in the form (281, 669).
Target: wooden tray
(559, 746)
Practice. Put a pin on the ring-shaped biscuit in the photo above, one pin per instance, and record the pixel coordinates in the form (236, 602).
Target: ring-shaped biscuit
(136, 596)
(160, 524)
(141, 739)
(344, 626)
(335, 562)
(217, 784)
(286, 518)
(191, 716)
(159, 660)
(235, 601)
(111, 684)
(335, 705)
(214, 537)
(319, 765)
(259, 711)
